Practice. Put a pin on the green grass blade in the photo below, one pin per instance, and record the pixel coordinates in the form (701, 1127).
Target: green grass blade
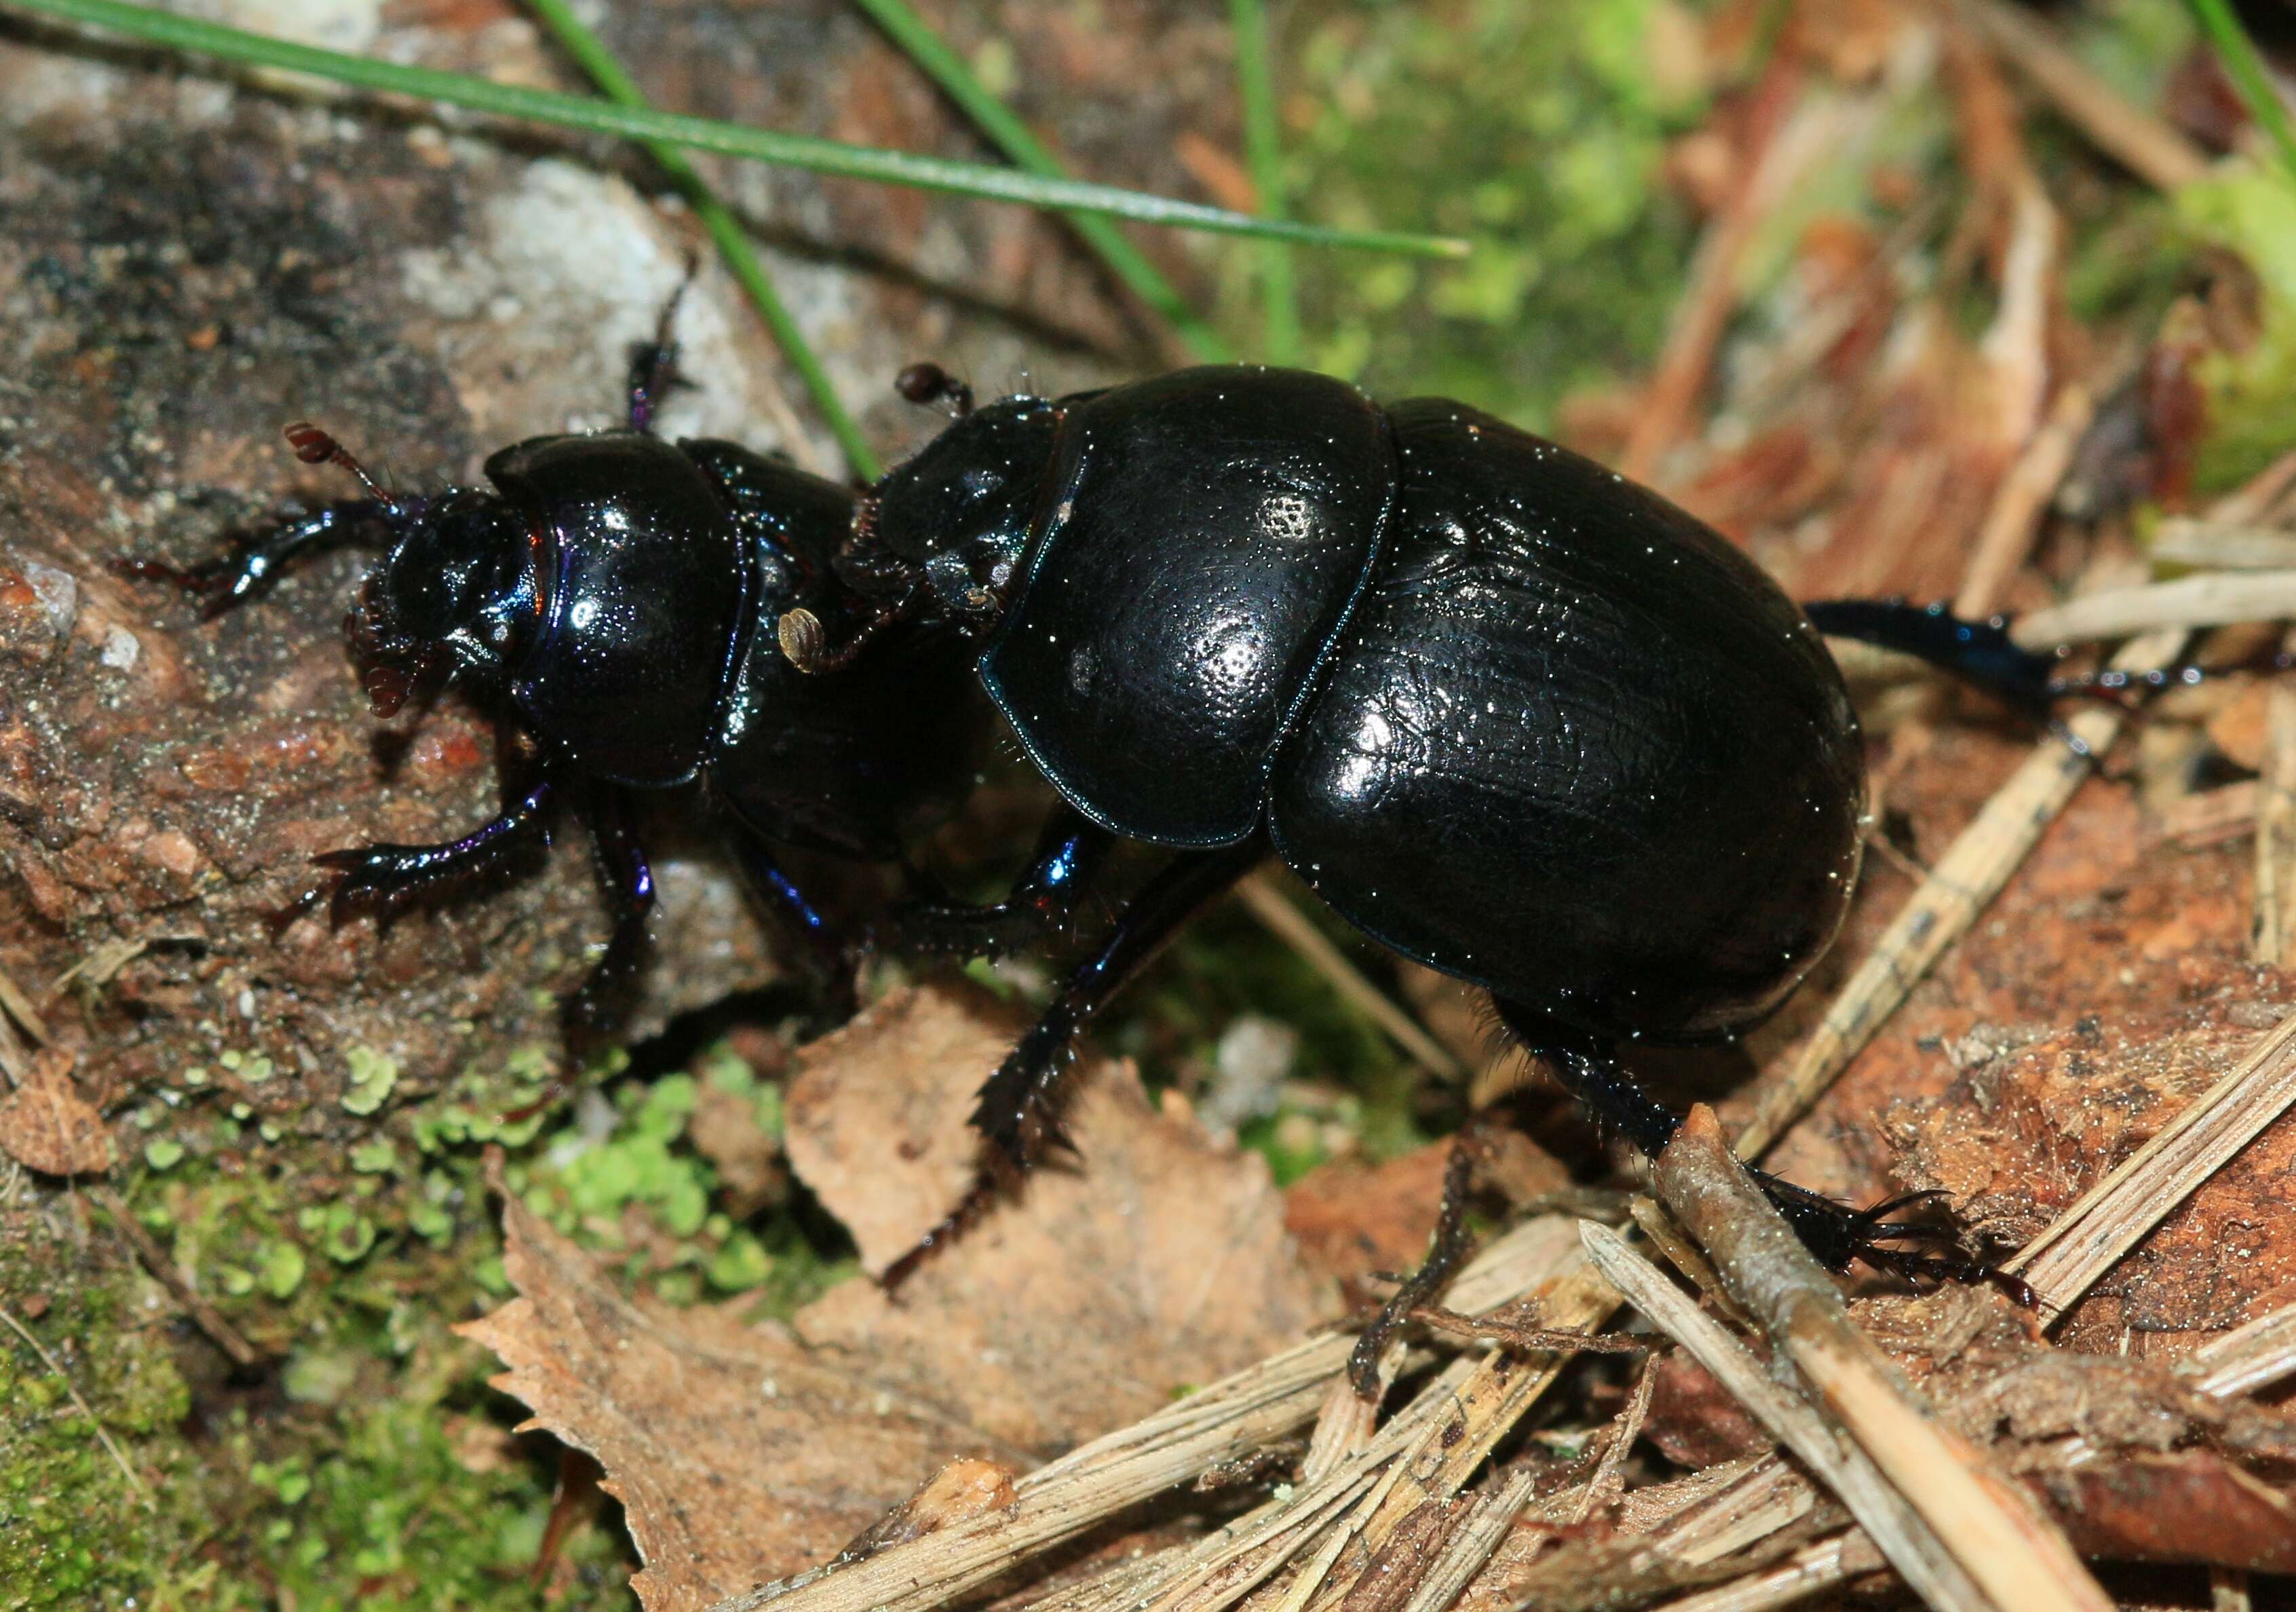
(592, 56)
(809, 151)
(2237, 51)
(1263, 152)
(998, 121)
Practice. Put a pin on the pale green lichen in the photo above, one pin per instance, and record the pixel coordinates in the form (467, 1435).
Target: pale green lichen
(373, 1076)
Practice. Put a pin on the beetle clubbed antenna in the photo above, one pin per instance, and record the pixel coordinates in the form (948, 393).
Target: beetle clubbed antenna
(929, 383)
(315, 446)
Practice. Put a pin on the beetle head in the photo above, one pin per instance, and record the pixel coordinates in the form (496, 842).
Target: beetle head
(459, 583)
(458, 593)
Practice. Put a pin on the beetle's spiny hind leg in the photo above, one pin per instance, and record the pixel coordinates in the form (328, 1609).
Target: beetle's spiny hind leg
(1017, 1112)
(1978, 652)
(1447, 1249)
(1838, 1235)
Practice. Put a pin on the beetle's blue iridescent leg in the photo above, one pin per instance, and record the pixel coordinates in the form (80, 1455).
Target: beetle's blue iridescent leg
(1979, 652)
(1017, 1111)
(380, 880)
(1070, 856)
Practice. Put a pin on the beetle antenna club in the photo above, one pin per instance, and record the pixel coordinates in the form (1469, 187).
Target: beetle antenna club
(929, 383)
(313, 446)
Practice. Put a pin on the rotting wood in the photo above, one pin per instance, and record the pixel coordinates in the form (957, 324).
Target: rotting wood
(2112, 1217)
(1992, 1529)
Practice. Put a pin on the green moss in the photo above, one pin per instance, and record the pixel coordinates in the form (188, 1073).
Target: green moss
(2251, 210)
(1535, 130)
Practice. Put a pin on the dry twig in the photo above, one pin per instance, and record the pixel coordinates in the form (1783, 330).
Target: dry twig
(2272, 932)
(165, 1271)
(111, 1445)
(2144, 144)
(1991, 1529)
(1908, 1543)
(1296, 930)
(1269, 1401)
(2214, 599)
(2247, 1358)
(2018, 503)
(2209, 545)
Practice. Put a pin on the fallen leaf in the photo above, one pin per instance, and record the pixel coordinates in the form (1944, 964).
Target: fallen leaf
(1157, 1263)
(2194, 1506)
(742, 1453)
(738, 1456)
(46, 1126)
(1353, 1219)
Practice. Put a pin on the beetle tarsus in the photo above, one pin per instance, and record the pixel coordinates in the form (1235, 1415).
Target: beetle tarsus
(1838, 1235)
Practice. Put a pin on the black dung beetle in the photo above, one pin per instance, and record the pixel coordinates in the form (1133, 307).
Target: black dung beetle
(1510, 714)
(607, 598)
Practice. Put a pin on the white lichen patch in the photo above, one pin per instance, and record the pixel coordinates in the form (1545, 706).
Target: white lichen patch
(565, 273)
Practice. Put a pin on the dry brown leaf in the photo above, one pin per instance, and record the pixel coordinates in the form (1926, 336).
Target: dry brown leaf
(737, 1455)
(46, 1126)
(1156, 1263)
(1353, 1219)
(742, 1454)
(2194, 1506)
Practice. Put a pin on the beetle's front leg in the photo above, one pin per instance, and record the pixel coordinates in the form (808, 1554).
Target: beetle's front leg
(253, 562)
(1017, 1111)
(1070, 856)
(380, 881)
